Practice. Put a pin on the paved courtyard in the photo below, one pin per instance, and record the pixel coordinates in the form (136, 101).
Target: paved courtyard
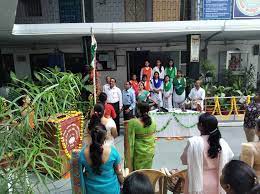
(167, 154)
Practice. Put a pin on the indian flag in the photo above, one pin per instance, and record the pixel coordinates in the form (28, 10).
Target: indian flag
(93, 51)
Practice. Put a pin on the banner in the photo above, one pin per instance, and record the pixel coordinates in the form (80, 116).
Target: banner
(216, 9)
(246, 9)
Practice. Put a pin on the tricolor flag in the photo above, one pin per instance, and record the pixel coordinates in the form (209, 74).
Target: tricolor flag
(93, 51)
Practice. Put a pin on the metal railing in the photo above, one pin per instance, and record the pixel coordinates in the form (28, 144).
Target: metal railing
(229, 109)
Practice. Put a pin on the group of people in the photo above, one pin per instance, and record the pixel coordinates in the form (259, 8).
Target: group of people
(158, 86)
(100, 162)
(211, 168)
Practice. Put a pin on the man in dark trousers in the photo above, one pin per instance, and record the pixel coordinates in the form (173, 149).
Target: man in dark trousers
(128, 101)
(114, 97)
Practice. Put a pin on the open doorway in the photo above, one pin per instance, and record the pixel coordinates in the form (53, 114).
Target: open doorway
(135, 62)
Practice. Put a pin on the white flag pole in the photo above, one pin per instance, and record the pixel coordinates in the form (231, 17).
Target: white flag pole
(93, 63)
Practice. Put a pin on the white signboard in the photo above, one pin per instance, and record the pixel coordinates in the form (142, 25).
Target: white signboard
(195, 48)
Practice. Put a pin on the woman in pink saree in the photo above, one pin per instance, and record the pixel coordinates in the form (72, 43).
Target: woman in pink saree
(205, 156)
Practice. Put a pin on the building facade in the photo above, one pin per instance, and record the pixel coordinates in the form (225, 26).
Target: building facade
(127, 32)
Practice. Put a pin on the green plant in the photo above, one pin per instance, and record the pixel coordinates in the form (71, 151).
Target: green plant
(207, 66)
(52, 92)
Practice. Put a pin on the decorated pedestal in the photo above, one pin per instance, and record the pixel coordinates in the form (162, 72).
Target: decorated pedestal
(66, 134)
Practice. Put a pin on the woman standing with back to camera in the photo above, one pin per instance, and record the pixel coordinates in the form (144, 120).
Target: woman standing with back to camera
(100, 170)
(205, 155)
(141, 140)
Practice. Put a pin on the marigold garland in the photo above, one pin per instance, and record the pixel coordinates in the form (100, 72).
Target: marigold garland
(59, 131)
(217, 107)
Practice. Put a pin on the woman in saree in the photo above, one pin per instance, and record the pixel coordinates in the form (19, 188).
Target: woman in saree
(205, 156)
(143, 95)
(179, 94)
(141, 140)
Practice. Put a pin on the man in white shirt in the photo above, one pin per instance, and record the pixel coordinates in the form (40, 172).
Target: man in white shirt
(197, 96)
(107, 85)
(114, 97)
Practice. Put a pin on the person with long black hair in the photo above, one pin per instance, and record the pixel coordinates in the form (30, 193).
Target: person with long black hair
(100, 170)
(239, 178)
(109, 109)
(137, 183)
(159, 68)
(97, 118)
(141, 140)
(205, 155)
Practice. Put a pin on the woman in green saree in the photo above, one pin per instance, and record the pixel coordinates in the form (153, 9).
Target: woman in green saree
(141, 140)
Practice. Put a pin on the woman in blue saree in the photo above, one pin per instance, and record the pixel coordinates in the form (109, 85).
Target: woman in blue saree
(100, 170)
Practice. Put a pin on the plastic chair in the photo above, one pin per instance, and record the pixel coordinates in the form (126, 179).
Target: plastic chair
(157, 179)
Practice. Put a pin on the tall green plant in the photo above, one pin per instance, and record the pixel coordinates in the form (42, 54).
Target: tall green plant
(52, 92)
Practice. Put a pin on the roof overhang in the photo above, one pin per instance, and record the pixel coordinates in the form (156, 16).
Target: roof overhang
(137, 32)
(8, 12)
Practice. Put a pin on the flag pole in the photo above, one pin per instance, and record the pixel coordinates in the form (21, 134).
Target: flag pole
(94, 69)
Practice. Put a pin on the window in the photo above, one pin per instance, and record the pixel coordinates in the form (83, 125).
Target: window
(70, 11)
(74, 62)
(105, 61)
(32, 7)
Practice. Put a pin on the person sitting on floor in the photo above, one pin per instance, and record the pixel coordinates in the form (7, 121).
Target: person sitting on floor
(205, 156)
(137, 183)
(238, 178)
(141, 140)
(251, 152)
(100, 169)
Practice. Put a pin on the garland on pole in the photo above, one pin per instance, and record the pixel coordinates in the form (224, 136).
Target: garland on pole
(217, 107)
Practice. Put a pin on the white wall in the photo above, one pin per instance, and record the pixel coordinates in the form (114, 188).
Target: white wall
(218, 46)
(121, 50)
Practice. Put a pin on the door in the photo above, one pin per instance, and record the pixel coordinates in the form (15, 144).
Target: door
(136, 62)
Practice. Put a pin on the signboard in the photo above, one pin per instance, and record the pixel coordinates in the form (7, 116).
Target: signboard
(195, 48)
(246, 9)
(70, 129)
(216, 9)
